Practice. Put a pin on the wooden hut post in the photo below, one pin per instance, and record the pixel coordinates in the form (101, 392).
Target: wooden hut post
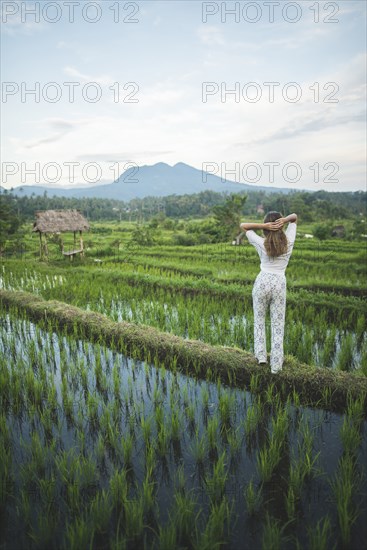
(81, 243)
(45, 246)
(40, 234)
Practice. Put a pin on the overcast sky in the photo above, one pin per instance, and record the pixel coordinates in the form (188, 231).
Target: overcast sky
(151, 63)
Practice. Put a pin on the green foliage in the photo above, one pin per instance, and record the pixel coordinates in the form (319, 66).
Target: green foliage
(322, 231)
(142, 235)
(9, 218)
(228, 216)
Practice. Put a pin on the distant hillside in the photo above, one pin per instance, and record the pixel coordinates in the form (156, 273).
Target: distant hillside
(158, 180)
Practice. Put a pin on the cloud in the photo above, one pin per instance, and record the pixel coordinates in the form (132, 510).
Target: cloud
(104, 80)
(50, 139)
(11, 18)
(63, 126)
(210, 35)
(161, 92)
(119, 157)
(307, 124)
(61, 123)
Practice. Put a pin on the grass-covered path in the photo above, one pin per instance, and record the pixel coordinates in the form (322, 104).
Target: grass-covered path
(315, 386)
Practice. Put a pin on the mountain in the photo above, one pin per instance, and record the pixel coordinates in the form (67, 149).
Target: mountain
(157, 180)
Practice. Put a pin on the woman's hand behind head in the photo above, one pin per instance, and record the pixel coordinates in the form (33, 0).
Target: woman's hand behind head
(274, 226)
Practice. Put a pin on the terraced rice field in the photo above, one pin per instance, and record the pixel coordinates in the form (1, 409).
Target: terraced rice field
(109, 446)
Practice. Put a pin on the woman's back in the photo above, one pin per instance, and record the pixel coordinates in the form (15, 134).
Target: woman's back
(269, 264)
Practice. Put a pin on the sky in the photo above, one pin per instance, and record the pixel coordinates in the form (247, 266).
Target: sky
(267, 93)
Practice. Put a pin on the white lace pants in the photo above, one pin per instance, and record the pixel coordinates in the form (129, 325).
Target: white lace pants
(269, 289)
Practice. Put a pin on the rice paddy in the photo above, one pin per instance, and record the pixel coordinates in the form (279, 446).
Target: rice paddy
(104, 451)
(153, 427)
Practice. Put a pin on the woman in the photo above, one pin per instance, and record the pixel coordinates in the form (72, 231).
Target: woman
(270, 284)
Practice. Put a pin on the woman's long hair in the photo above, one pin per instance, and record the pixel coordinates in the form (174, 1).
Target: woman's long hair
(275, 242)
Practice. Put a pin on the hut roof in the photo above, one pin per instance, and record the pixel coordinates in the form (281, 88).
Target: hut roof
(57, 221)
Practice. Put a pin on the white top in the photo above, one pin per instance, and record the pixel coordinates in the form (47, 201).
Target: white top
(267, 263)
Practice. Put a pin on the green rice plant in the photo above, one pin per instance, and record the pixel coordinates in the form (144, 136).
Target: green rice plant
(146, 428)
(214, 534)
(150, 459)
(319, 535)
(86, 471)
(234, 440)
(296, 398)
(215, 484)
(73, 496)
(304, 346)
(66, 463)
(190, 414)
(364, 359)
(268, 458)
(127, 444)
(180, 481)
(270, 393)
(308, 463)
(159, 416)
(80, 435)
(225, 404)
(273, 535)
(84, 376)
(326, 396)
(350, 436)
(199, 448)
(280, 424)
(306, 434)
(254, 383)
(305, 465)
(184, 514)
(167, 537)
(290, 502)
(253, 498)
(212, 432)
(185, 395)
(345, 359)
(118, 488)
(360, 328)
(24, 506)
(100, 510)
(205, 398)
(175, 426)
(297, 476)
(47, 490)
(163, 440)
(6, 478)
(100, 449)
(253, 417)
(67, 399)
(118, 542)
(52, 398)
(42, 533)
(356, 409)
(37, 450)
(79, 534)
(328, 349)
(343, 485)
(134, 518)
(148, 495)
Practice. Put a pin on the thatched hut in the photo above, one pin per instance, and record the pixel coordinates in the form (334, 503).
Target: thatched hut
(60, 221)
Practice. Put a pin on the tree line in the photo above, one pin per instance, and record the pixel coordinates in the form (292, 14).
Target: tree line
(312, 206)
(226, 208)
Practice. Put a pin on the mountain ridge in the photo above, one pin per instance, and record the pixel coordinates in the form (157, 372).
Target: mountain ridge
(156, 180)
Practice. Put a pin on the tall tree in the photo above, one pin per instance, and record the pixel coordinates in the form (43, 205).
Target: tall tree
(9, 219)
(228, 215)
